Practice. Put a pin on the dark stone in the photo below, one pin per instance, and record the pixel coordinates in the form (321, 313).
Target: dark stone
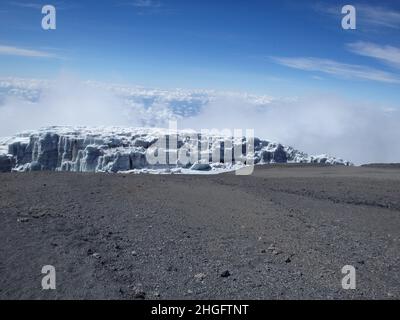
(6, 163)
(225, 274)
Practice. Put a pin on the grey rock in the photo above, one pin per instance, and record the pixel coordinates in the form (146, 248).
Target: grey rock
(140, 295)
(96, 255)
(201, 166)
(35, 166)
(225, 274)
(7, 162)
(199, 276)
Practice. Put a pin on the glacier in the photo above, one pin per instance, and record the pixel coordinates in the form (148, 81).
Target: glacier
(120, 149)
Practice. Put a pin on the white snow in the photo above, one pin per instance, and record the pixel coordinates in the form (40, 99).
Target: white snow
(120, 149)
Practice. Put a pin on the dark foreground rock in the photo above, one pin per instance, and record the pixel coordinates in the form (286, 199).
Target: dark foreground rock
(6, 163)
(285, 232)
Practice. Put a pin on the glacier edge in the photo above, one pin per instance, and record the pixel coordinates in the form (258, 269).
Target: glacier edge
(119, 149)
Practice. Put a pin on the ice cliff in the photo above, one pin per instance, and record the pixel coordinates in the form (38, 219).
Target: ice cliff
(117, 149)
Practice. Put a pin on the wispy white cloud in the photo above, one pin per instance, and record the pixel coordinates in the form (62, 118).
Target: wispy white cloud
(332, 67)
(367, 15)
(60, 5)
(31, 5)
(144, 7)
(379, 16)
(14, 51)
(386, 54)
(146, 4)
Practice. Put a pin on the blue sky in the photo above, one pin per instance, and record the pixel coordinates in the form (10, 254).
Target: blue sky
(281, 48)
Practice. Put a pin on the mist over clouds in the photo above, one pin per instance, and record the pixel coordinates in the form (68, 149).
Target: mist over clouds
(356, 131)
(66, 101)
(359, 132)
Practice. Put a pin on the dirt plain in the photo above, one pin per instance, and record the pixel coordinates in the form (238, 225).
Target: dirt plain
(284, 232)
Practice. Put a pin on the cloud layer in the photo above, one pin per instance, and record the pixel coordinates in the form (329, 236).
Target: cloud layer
(15, 51)
(356, 131)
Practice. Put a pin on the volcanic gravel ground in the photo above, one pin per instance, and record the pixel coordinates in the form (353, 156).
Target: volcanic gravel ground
(283, 233)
